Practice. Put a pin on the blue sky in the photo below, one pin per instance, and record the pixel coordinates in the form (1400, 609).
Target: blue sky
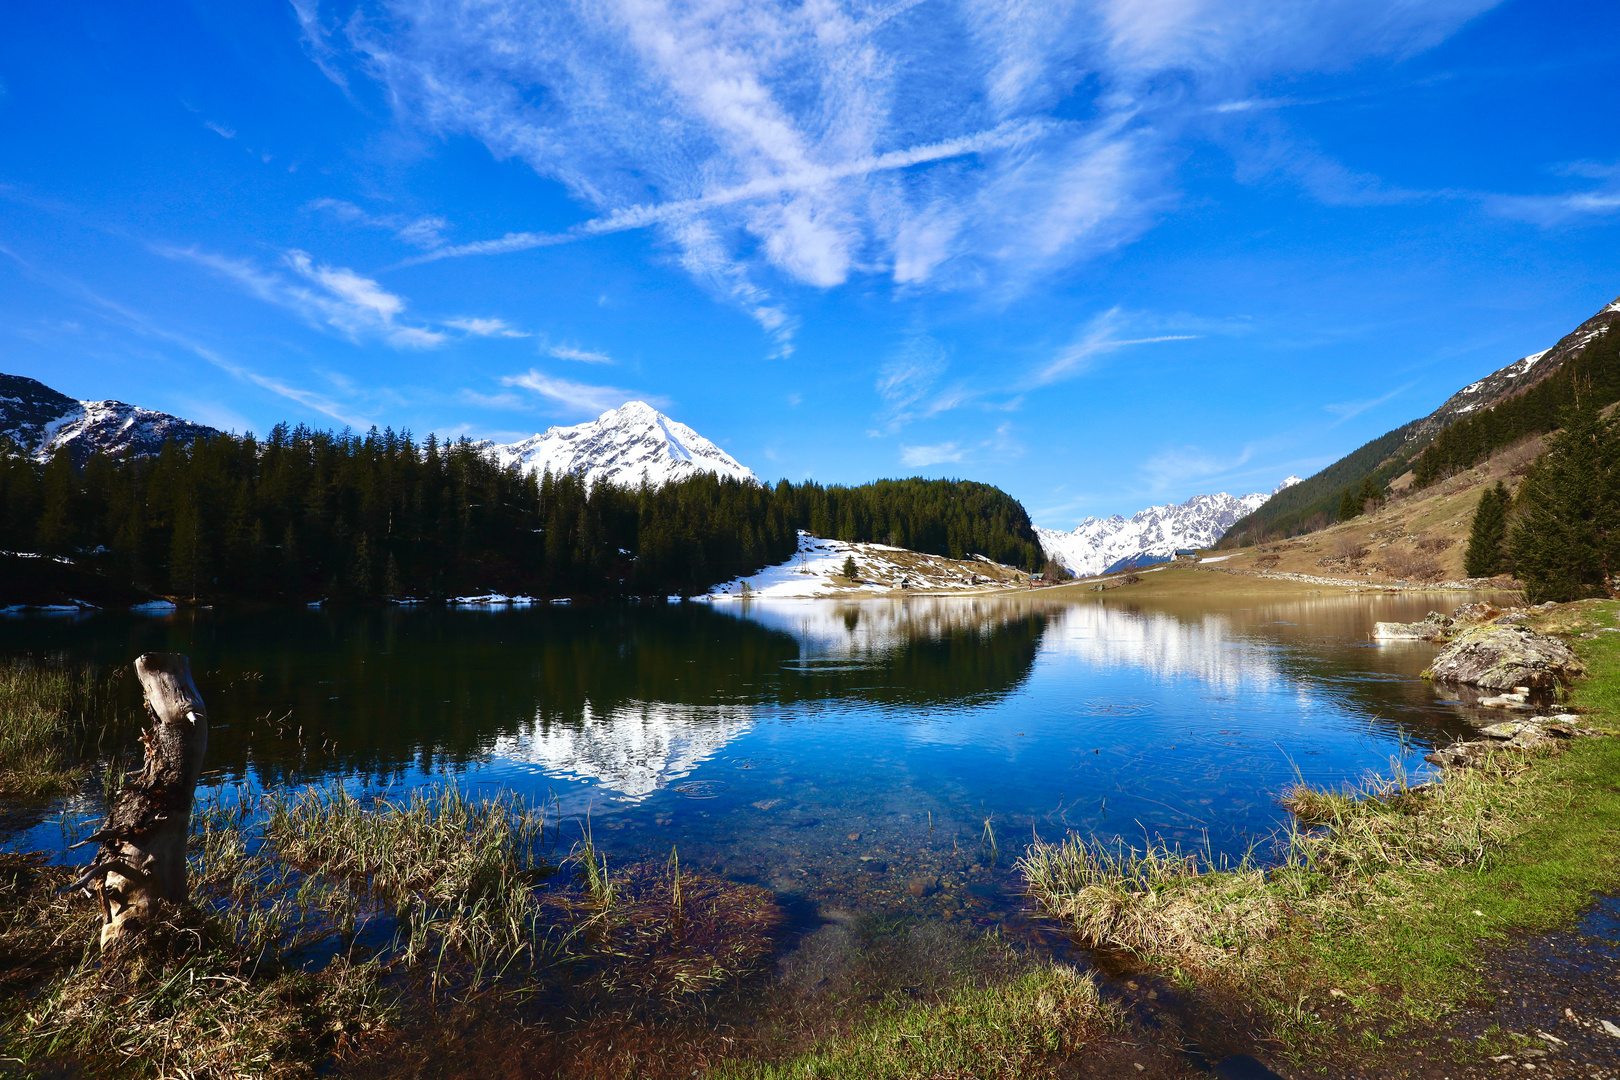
(1100, 254)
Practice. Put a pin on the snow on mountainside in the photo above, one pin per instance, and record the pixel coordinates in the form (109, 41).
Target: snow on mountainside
(623, 446)
(40, 420)
(1098, 545)
(1518, 376)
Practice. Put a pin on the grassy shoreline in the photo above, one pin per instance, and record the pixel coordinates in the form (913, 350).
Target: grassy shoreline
(1373, 924)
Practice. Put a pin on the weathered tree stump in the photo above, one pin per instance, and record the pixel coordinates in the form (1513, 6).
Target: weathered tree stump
(141, 862)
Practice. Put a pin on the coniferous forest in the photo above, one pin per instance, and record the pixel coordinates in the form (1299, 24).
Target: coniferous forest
(304, 515)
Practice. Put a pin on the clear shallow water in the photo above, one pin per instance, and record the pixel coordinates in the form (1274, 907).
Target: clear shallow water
(855, 756)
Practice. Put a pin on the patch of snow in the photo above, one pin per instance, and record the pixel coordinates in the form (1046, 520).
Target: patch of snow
(1525, 364)
(627, 446)
(1288, 481)
(154, 607)
(494, 599)
(817, 569)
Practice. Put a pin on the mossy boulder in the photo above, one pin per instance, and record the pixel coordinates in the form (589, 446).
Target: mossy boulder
(1503, 657)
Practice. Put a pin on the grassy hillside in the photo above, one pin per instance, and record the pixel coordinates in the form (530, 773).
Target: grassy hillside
(1314, 502)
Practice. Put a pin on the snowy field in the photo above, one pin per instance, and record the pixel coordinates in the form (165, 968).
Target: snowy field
(817, 570)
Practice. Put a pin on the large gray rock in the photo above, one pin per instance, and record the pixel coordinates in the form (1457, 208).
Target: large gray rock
(1430, 628)
(1502, 657)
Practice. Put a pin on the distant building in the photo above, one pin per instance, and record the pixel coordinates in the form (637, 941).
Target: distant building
(1186, 553)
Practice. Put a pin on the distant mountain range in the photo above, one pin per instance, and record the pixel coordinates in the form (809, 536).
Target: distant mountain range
(1591, 351)
(627, 446)
(40, 420)
(1104, 545)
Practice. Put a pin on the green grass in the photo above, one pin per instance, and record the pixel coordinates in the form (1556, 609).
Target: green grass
(1026, 1028)
(46, 716)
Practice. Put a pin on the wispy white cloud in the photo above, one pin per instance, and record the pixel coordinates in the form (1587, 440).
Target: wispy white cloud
(336, 296)
(425, 231)
(577, 397)
(219, 129)
(773, 144)
(1098, 337)
(1175, 467)
(1001, 445)
(584, 356)
(139, 323)
(908, 383)
(317, 41)
(1345, 410)
(487, 327)
(1598, 201)
(921, 457)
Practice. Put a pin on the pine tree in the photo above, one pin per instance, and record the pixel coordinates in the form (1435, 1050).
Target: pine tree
(1348, 506)
(1485, 539)
(1370, 495)
(1565, 540)
(850, 569)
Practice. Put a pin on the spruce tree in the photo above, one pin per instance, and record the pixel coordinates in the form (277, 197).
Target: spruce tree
(849, 568)
(1485, 539)
(1565, 540)
(1348, 507)
(1370, 495)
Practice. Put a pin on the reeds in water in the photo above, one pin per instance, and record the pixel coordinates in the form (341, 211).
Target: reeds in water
(47, 716)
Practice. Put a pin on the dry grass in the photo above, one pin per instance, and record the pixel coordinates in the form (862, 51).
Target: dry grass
(1404, 564)
(1164, 904)
(1159, 902)
(323, 922)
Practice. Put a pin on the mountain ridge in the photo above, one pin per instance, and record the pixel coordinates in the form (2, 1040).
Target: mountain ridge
(41, 420)
(1314, 503)
(1103, 545)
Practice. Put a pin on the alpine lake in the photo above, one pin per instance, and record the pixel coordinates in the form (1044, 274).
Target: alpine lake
(875, 759)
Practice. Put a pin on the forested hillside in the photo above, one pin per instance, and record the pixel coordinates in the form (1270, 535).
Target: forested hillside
(1528, 397)
(307, 514)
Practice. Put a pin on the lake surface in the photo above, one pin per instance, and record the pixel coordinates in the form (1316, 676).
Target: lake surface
(857, 757)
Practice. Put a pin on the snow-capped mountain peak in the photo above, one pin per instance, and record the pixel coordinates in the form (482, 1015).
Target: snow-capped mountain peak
(1288, 482)
(1148, 536)
(40, 420)
(627, 446)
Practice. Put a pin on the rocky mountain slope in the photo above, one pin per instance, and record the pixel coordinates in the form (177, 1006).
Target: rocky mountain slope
(627, 446)
(40, 420)
(1099, 545)
(1590, 349)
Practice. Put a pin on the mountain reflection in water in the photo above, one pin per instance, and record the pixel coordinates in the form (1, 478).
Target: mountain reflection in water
(807, 743)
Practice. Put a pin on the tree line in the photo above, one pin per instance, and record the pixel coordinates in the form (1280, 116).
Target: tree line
(307, 514)
(1559, 532)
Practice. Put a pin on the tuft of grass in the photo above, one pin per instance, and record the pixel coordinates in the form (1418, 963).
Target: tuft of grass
(47, 715)
(197, 999)
(1158, 902)
(1029, 1027)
